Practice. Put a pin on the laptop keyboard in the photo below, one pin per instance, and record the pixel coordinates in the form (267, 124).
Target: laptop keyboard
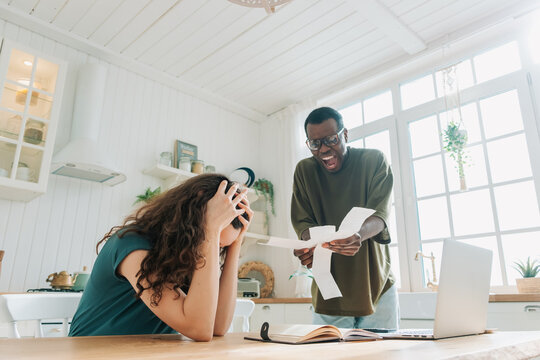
(415, 331)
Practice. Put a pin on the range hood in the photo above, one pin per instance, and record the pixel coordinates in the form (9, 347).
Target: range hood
(82, 157)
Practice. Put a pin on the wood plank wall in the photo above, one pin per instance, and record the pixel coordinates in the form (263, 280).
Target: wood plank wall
(141, 118)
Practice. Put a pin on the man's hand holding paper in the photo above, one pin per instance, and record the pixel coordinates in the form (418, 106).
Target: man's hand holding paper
(316, 253)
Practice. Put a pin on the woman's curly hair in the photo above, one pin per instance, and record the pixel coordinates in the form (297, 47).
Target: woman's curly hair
(174, 223)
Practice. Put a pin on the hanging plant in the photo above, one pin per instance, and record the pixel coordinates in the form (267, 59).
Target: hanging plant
(455, 140)
(147, 195)
(265, 188)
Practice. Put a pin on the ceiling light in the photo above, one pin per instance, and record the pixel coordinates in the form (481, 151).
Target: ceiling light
(27, 62)
(268, 5)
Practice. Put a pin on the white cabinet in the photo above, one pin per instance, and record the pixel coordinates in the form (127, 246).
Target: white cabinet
(280, 313)
(30, 96)
(514, 316)
(417, 310)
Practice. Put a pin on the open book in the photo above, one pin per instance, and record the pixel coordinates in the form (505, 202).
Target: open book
(306, 334)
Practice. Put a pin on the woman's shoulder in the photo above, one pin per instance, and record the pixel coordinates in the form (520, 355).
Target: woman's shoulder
(129, 238)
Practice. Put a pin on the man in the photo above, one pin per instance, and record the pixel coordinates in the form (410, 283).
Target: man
(326, 186)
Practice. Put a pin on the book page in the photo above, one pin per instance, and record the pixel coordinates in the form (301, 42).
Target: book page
(359, 335)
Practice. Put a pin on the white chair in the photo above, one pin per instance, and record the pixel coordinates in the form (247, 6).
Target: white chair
(244, 308)
(37, 307)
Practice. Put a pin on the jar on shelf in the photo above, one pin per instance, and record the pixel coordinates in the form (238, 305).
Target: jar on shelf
(165, 158)
(184, 163)
(197, 166)
(210, 169)
(33, 133)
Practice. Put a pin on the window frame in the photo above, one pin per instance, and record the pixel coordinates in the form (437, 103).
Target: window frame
(405, 200)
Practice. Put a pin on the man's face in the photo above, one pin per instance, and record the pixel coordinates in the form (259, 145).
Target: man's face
(330, 157)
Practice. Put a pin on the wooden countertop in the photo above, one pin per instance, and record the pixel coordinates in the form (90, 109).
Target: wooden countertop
(492, 298)
(501, 345)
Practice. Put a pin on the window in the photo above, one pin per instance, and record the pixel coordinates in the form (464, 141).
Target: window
(381, 141)
(417, 92)
(378, 106)
(499, 207)
(500, 201)
(497, 62)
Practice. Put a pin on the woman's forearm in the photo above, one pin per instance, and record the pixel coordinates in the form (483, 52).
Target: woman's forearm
(202, 298)
(227, 290)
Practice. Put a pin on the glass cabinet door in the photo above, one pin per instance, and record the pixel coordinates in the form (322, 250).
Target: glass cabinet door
(26, 103)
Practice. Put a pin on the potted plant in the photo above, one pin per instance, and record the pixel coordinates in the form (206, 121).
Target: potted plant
(147, 195)
(529, 284)
(304, 278)
(455, 140)
(265, 188)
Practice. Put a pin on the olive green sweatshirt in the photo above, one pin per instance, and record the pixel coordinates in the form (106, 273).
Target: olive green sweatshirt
(324, 198)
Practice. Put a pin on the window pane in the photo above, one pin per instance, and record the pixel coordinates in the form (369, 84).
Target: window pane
(509, 158)
(392, 226)
(20, 67)
(378, 106)
(359, 144)
(501, 114)
(497, 62)
(352, 115)
(469, 119)
(434, 248)
(472, 213)
(46, 74)
(428, 176)
(517, 206)
(489, 243)
(433, 218)
(417, 92)
(380, 141)
(464, 77)
(519, 247)
(394, 264)
(475, 169)
(424, 135)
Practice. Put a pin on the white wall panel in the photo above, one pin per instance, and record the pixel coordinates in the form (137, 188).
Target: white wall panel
(140, 118)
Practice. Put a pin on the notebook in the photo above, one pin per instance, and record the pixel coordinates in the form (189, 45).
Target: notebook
(463, 294)
(307, 334)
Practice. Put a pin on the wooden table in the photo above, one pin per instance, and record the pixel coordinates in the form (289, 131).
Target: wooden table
(501, 345)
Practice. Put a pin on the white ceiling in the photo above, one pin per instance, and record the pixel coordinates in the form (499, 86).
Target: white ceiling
(307, 49)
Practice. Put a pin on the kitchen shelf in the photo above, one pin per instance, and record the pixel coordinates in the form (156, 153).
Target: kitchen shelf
(164, 172)
(173, 176)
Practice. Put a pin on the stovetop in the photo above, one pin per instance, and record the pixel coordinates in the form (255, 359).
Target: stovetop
(52, 290)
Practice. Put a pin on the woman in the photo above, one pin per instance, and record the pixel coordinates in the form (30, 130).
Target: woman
(140, 280)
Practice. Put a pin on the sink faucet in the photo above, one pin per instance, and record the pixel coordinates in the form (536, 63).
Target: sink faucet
(431, 284)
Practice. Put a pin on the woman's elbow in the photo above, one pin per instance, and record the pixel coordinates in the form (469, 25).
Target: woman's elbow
(203, 334)
(203, 337)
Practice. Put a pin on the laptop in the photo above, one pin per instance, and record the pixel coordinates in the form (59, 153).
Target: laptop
(463, 294)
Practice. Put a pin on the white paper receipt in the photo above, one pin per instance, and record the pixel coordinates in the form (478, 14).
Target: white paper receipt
(322, 258)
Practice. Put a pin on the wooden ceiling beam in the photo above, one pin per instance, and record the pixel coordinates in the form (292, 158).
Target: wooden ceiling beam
(389, 24)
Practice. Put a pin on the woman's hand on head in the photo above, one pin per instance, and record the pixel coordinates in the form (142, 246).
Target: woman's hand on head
(221, 209)
(244, 204)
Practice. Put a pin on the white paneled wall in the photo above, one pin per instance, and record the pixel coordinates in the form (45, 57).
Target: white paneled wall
(141, 118)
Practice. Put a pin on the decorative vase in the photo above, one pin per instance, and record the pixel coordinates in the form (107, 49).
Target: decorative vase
(528, 285)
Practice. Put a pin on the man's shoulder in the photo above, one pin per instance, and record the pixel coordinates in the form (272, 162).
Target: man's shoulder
(366, 155)
(306, 164)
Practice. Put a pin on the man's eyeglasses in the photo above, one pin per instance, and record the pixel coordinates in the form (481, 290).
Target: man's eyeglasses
(330, 140)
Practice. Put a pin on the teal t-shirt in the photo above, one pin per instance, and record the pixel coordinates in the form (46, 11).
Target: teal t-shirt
(108, 305)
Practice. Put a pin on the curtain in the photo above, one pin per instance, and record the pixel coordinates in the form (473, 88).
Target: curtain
(283, 145)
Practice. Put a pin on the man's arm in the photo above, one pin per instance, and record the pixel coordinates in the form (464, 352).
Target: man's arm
(350, 246)
(380, 191)
(302, 218)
